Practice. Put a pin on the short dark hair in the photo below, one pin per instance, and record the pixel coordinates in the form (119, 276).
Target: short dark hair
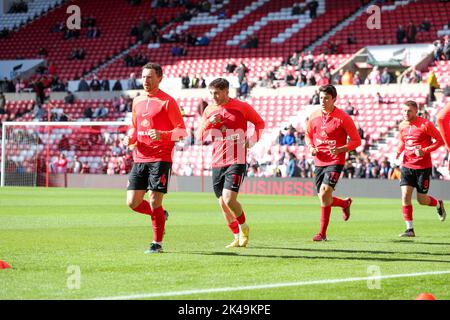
(219, 83)
(411, 103)
(329, 89)
(154, 66)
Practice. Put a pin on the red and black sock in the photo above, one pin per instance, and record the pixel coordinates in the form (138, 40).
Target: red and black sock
(158, 223)
(324, 220)
(144, 208)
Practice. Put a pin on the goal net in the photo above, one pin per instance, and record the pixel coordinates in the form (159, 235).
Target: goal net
(31, 152)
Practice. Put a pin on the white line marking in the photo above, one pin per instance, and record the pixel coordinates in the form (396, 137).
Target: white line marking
(269, 286)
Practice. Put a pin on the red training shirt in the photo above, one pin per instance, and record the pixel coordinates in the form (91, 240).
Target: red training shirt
(444, 124)
(230, 134)
(161, 112)
(326, 130)
(418, 134)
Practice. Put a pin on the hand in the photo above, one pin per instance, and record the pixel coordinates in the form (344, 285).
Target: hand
(334, 150)
(418, 152)
(154, 134)
(127, 141)
(215, 119)
(313, 151)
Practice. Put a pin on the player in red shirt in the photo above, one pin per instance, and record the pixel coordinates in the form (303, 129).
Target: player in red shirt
(156, 125)
(416, 134)
(326, 135)
(443, 121)
(226, 122)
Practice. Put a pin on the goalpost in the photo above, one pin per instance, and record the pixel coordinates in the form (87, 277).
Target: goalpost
(30, 150)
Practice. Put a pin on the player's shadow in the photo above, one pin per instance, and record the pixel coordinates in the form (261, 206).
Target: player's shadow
(420, 242)
(244, 254)
(356, 251)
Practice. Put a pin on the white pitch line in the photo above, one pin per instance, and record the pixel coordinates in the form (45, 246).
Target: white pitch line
(269, 286)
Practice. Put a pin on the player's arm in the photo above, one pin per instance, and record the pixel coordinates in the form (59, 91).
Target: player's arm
(352, 133)
(436, 135)
(309, 138)
(205, 125)
(257, 121)
(131, 137)
(179, 128)
(443, 122)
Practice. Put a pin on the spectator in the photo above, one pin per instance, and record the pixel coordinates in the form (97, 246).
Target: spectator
(185, 81)
(347, 78)
(425, 25)
(433, 85)
(85, 168)
(315, 98)
(202, 82)
(400, 34)
(100, 112)
(395, 173)
(385, 77)
(105, 84)
(446, 49)
(289, 138)
(252, 43)
(292, 170)
(438, 50)
(231, 66)
(93, 32)
(360, 168)
(87, 112)
(241, 71)
(195, 82)
(64, 144)
(411, 32)
(76, 166)
(243, 89)
(280, 138)
(132, 82)
(351, 39)
(117, 86)
(338, 78)
(312, 6)
(357, 79)
(38, 112)
(202, 41)
(61, 164)
(42, 53)
(297, 9)
(95, 84)
(360, 131)
(2, 103)
(349, 109)
(349, 170)
(83, 85)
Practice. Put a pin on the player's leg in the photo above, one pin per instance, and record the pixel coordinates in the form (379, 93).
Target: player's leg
(233, 224)
(423, 184)
(328, 177)
(407, 210)
(218, 179)
(234, 176)
(325, 194)
(137, 187)
(159, 175)
(338, 202)
(230, 200)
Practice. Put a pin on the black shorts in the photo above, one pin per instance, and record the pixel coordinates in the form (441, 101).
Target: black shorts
(152, 176)
(417, 178)
(328, 175)
(229, 178)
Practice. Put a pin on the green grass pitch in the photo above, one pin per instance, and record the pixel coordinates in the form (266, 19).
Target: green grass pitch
(43, 232)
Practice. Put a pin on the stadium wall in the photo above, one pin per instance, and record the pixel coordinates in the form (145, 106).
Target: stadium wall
(263, 186)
